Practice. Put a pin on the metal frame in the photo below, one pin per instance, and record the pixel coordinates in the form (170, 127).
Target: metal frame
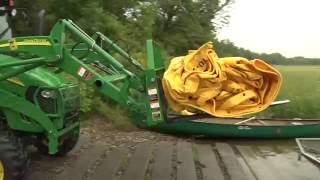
(303, 152)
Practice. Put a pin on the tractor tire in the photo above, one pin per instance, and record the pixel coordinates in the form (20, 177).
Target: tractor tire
(64, 148)
(14, 160)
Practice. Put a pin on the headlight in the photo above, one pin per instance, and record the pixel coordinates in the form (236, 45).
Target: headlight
(48, 94)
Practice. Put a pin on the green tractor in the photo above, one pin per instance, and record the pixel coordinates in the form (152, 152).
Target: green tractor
(37, 107)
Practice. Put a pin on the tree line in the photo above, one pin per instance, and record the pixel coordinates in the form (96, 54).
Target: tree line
(226, 48)
(177, 25)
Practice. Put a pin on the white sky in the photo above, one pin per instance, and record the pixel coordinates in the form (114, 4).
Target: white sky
(291, 27)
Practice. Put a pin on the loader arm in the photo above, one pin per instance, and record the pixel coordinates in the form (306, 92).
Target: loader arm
(97, 68)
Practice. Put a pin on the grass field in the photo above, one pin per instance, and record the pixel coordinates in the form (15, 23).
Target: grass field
(302, 86)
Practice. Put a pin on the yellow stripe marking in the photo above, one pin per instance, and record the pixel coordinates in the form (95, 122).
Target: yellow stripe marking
(27, 43)
(16, 81)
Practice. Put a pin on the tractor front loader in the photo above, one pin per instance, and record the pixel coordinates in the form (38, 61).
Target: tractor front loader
(38, 106)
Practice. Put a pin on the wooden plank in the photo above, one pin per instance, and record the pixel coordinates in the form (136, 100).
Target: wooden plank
(109, 166)
(36, 176)
(246, 169)
(186, 168)
(231, 163)
(139, 162)
(288, 164)
(84, 162)
(163, 161)
(43, 166)
(262, 169)
(211, 169)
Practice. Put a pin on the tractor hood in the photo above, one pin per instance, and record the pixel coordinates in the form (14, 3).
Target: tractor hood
(40, 77)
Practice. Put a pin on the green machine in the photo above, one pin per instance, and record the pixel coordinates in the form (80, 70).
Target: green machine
(38, 105)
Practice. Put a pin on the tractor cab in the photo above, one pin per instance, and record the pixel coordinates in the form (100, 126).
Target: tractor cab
(6, 11)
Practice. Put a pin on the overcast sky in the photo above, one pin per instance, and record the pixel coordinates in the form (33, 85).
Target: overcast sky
(291, 27)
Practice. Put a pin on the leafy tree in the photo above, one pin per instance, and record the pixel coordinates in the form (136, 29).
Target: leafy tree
(185, 24)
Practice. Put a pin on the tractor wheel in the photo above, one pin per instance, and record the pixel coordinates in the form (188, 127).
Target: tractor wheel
(13, 157)
(65, 146)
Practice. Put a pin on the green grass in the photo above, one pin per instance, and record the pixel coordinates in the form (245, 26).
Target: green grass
(115, 115)
(301, 84)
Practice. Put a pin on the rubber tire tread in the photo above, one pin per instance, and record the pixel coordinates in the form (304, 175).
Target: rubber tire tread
(13, 155)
